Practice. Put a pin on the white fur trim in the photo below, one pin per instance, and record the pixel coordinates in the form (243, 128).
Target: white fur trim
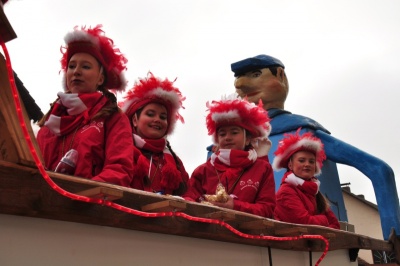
(230, 115)
(80, 35)
(169, 96)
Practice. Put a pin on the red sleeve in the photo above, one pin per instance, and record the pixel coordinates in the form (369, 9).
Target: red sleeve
(195, 184)
(118, 163)
(264, 203)
(140, 172)
(184, 174)
(291, 208)
(332, 220)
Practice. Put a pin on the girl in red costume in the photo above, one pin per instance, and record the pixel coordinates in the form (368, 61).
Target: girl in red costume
(86, 117)
(235, 167)
(298, 199)
(152, 107)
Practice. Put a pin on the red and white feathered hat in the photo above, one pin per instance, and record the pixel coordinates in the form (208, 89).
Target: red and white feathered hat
(292, 143)
(232, 110)
(154, 90)
(94, 42)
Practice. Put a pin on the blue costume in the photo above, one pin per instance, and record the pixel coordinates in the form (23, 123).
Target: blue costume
(337, 151)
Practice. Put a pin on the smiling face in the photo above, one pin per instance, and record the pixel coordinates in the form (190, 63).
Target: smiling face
(232, 137)
(84, 74)
(262, 84)
(303, 164)
(152, 122)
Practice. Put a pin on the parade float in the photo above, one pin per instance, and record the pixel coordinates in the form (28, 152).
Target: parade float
(48, 218)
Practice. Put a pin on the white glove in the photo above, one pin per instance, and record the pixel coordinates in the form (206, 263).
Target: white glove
(262, 146)
(294, 180)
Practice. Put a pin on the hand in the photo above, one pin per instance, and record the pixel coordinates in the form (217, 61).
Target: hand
(294, 180)
(262, 146)
(189, 199)
(229, 204)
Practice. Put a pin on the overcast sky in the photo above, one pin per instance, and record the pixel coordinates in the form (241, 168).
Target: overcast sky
(342, 59)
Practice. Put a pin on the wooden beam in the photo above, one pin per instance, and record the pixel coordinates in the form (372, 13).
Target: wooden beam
(105, 193)
(257, 224)
(395, 241)
(17, 151)
(291, 231)
(7, 33)
(165, 206)
(220, 215)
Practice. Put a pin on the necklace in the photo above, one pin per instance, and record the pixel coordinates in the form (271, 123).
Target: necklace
(149, 178)
(70, 144)
(157, 167)
(229, 191)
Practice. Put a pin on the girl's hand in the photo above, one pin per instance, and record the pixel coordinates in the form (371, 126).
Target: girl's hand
(228, 204)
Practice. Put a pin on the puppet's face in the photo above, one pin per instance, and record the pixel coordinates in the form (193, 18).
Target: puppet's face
(262, 84)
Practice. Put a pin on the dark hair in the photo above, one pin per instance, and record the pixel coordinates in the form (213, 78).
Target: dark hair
(322, 203)
(44, 118)
(182, 185)
(137, 113)
(111, 107)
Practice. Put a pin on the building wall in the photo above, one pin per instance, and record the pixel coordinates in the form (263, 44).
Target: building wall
(365, 219)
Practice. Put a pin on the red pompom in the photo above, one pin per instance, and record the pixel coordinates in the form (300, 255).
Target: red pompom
(171, 177)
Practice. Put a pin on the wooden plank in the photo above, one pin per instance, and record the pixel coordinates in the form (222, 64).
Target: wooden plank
(346, 226)
(8, 151)
(165, 206)
(7, 33)
(329, 235)
(220, 215)
(257, 224)
(102, 193)
(395, 241)
(291, 231)
(11, 128)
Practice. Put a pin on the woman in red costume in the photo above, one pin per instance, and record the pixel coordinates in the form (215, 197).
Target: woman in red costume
(85, 117)
(298, 199)
(236, 176)
(152, 107)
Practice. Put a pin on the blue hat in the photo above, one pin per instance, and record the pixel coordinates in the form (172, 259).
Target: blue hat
(254, 63)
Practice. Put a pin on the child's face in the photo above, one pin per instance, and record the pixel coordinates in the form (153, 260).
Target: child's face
(152, 122)
(303, 164)
(232, 137)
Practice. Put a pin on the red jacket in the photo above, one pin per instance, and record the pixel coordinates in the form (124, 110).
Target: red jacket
(255, 190)
(294, 205)
(155, 174)
(104, 147)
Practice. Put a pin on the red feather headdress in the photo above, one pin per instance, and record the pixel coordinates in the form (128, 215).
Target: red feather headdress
(154, 90)
(94, 42)
(292, 143)
(232, 110)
